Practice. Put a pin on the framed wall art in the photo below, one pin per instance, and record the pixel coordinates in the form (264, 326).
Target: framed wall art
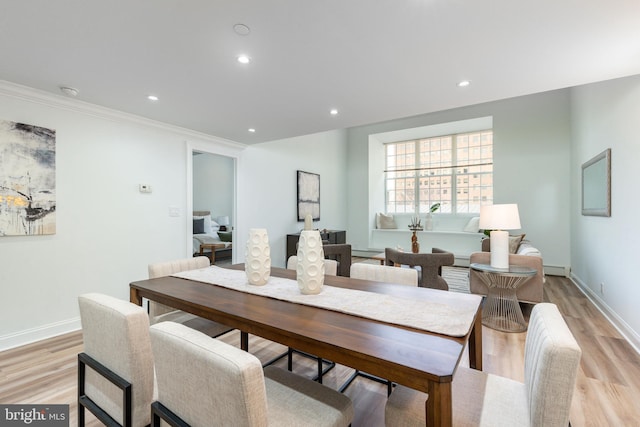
(27, 179)
(308, 195)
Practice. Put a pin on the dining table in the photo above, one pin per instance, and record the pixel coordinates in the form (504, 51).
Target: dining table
(387, 334)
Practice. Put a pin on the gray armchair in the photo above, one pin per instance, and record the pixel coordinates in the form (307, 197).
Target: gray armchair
(341, 252)
(430, 273)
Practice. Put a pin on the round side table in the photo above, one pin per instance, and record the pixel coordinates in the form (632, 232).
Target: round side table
(501, 310)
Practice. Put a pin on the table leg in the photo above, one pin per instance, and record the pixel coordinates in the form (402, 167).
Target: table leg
(134, 297)
(438, 408)
(475, 342)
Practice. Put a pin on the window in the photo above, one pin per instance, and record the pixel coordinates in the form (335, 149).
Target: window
(453, 170)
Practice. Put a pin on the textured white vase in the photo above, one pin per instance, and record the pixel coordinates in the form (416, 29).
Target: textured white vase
(310, 268)
(257, 263)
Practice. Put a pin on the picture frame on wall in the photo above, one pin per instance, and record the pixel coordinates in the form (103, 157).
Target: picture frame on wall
(27, 179)
(308, 201)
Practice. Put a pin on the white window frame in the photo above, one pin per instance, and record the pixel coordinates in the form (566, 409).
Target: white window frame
(453, 208)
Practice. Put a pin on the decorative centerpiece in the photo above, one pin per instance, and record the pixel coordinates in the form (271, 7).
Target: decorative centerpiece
(415, 225)
(257, 263)
(310, 268)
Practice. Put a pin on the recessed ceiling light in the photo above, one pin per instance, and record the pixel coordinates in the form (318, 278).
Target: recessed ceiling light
(464, 83)
(252, 130)
(152, 98)
(241, 29)
(69, 91)
(244, 59)
(333, 112)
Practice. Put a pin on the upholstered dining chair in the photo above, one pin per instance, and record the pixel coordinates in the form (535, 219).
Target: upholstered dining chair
(551, 361)
(430, 272)
(380, 273)
(203, 381)
(161, 313)
(330, 265)
(330, 269)
(118, 385)
(385, 273)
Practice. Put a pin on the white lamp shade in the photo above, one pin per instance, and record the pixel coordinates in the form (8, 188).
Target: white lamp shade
(499, 217)
(222, 220)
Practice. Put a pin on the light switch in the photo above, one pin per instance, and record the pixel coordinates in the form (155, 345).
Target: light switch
(174, 211)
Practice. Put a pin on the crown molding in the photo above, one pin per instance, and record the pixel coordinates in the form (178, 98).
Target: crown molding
(29, 94)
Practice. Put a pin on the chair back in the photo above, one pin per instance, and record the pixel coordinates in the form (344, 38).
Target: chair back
(206, 381)
(341, 252)
(430, 275)
(330, 265)
(116, 334)
(384, 273)
(167, 268)
(551, 361)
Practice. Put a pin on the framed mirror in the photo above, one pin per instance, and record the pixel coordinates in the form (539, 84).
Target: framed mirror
(596, 185)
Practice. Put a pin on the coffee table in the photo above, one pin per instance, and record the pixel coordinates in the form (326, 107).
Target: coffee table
(501, 309)
(212, 247)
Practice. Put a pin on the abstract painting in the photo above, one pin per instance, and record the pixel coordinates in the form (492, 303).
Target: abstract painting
(27, 179)
(308, 195)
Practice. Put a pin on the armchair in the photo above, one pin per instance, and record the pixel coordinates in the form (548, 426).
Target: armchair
(527, 256)
(430, 273)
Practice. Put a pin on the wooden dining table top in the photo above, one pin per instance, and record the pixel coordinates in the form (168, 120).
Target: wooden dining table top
(415, 358)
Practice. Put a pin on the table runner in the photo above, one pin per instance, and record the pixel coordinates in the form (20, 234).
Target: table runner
(419, 313)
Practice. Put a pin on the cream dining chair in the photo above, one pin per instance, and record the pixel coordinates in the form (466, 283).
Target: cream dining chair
(380, 273)
(330, 269)
(551, 362)
(204, 382)
(162, 313)
(115, 371)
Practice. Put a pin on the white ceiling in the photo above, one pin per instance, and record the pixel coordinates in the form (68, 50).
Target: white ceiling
(373, 60)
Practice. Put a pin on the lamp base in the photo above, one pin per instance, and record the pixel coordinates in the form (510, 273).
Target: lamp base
(500, 249)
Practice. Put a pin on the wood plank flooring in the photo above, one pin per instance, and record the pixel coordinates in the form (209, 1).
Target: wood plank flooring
(607, 389)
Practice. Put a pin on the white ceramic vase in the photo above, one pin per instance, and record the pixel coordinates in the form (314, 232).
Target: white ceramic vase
(310, 269)
(257, 263)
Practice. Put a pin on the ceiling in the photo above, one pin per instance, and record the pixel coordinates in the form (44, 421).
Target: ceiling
(371, 60)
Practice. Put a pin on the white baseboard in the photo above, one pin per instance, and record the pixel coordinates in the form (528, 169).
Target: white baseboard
(625, 330)
(29, 336)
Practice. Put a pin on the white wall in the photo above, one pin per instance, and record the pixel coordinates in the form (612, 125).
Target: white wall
(268, 178)
(107, 231)
(531, 167)
(213, 184)
(604, 250)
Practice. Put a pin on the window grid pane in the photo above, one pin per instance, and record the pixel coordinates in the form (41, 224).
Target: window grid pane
(460, 186)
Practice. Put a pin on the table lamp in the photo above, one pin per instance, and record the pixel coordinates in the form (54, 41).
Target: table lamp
(223, 221)
(499, 218)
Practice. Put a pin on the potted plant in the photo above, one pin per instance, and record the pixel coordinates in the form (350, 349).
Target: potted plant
(429, 220)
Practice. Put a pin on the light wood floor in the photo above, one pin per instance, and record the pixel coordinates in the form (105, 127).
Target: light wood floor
(607, 390)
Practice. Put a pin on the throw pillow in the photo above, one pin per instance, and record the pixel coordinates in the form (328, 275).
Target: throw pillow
(208, 222)
(514, 242)
(198, 226)
(225, 236)
(385, 221)
(473, 226)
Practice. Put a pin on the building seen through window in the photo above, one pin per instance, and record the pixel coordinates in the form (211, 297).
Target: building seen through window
(453, 170)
